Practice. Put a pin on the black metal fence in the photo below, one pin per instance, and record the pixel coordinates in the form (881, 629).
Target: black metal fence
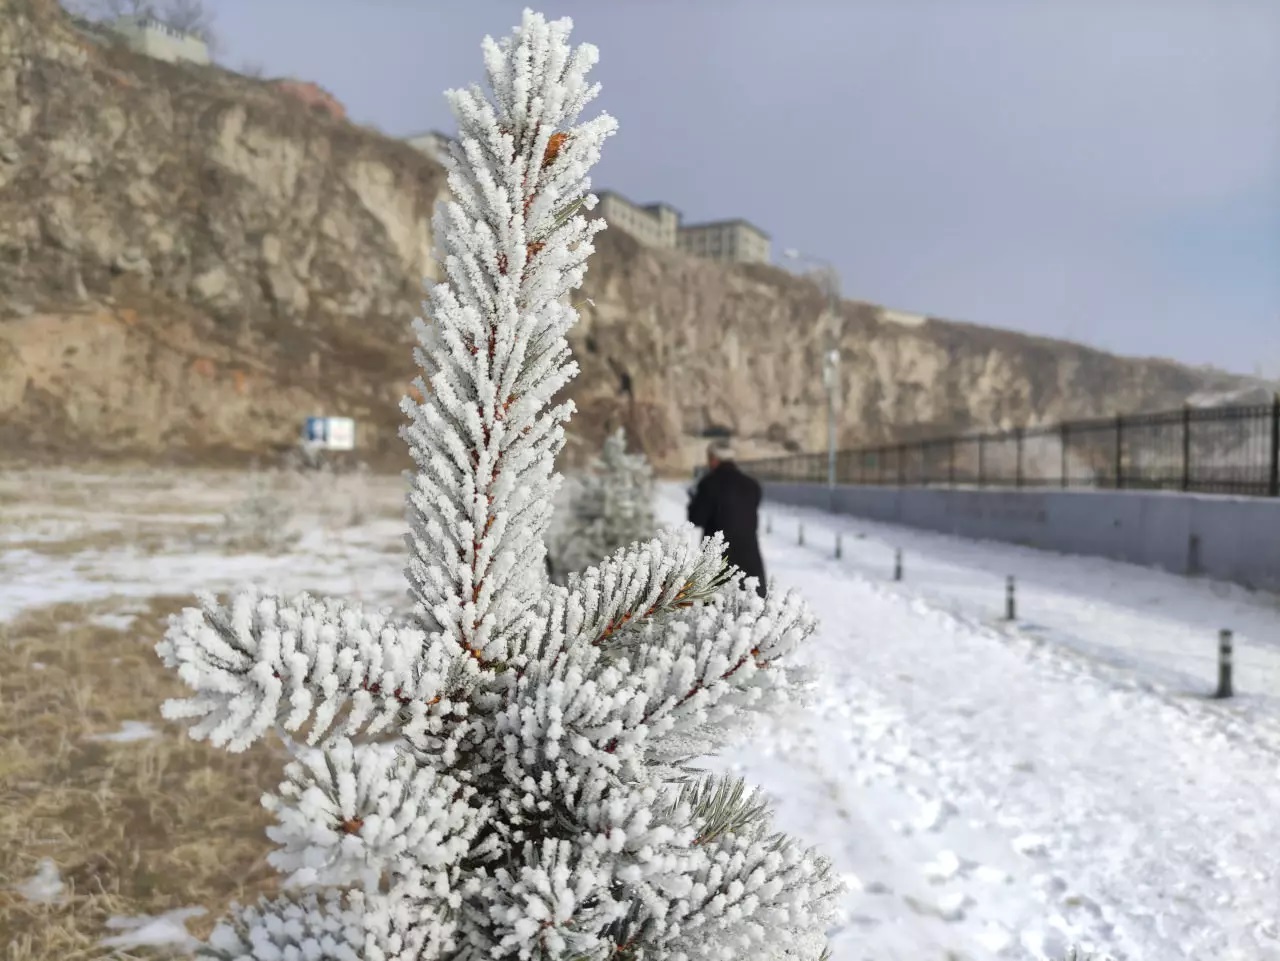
(1220, 450)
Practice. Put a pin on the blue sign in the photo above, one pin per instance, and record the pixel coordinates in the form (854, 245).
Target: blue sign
(315, 429)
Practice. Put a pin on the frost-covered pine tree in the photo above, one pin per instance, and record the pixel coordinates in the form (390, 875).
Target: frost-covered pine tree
(509, 771)
(612, 508)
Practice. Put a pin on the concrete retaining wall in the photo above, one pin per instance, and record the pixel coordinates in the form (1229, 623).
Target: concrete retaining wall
(1234, 539)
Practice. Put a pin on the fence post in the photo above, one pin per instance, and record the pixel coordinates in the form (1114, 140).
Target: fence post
(1010, 599)
(981, 458)
(1224, 665)
(1186, 447)
(839, 547)
(1017, 440)
(1119, 451)
(1066, 477)
(897, 564)
(800, 535)
(1273, 488)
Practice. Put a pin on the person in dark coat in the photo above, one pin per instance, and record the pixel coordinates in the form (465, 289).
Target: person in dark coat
(727, 501)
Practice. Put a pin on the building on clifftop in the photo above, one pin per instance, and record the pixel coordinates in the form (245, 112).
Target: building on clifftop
(654, 225)
(155, 38)
(658, 225)
(732, 241)
(433, 143)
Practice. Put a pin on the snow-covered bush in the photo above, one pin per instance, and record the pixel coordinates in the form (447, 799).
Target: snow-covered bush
(510, 771)
(260, 521)
(611, 509)
(304, 456)
(341, 498)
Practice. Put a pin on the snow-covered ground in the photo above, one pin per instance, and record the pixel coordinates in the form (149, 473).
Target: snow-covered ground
(351, 563)
(1003, 793)
(990, 791)
(1162, 627)
(360, 560)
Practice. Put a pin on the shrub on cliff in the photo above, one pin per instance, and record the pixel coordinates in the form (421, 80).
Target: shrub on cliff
(507, 772)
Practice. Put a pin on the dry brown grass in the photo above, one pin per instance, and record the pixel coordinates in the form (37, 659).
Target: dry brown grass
(145, 827)
(135, 828)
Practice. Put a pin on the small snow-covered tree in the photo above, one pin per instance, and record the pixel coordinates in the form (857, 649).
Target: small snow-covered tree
(612, 508)
(260, 521)
(509, 771)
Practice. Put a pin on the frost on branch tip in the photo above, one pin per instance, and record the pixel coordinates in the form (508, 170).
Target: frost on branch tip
(513, 243)
(508, 771)
(667, 689)
(352, 812)
(261, 660)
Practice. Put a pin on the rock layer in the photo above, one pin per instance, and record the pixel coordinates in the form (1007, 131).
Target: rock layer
(191, 261)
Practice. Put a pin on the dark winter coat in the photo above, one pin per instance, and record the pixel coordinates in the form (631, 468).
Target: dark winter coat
(727, 501)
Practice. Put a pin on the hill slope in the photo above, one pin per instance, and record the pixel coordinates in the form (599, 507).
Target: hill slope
(191, 261)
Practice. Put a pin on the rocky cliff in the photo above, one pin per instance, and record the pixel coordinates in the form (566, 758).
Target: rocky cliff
(191, 261)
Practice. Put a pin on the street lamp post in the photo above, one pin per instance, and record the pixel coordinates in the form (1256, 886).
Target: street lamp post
(829, 280)
(831, 379)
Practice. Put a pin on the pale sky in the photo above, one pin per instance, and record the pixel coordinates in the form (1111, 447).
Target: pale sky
(1102, 170)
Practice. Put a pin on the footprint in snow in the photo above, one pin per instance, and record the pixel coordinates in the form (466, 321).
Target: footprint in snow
(935, 815)
(949, 907)
(942, 869)
(1031, 845)
(864, 921)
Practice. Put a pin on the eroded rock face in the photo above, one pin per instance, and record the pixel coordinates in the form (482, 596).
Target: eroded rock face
(191, 261)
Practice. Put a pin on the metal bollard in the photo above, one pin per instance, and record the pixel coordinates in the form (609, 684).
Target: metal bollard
(1224, 664)
(839, 547)
(897, 564)
(1010, 599)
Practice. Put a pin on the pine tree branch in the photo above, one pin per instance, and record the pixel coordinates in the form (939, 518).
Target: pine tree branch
(694, 687)
(750, 916)
(355, 811)
(334, 921)
(262, 660)
(338, 924)
(619, 595)
(722, 805)
(669, 690)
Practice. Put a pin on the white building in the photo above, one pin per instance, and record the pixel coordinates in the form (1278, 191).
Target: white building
(654, 225)
(732, 241)
(156, 38)
(658, 225)
(432, 143)
(902, 317)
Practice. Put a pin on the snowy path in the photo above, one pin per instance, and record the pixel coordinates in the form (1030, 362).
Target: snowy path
(1162, 626)
(995, 796)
